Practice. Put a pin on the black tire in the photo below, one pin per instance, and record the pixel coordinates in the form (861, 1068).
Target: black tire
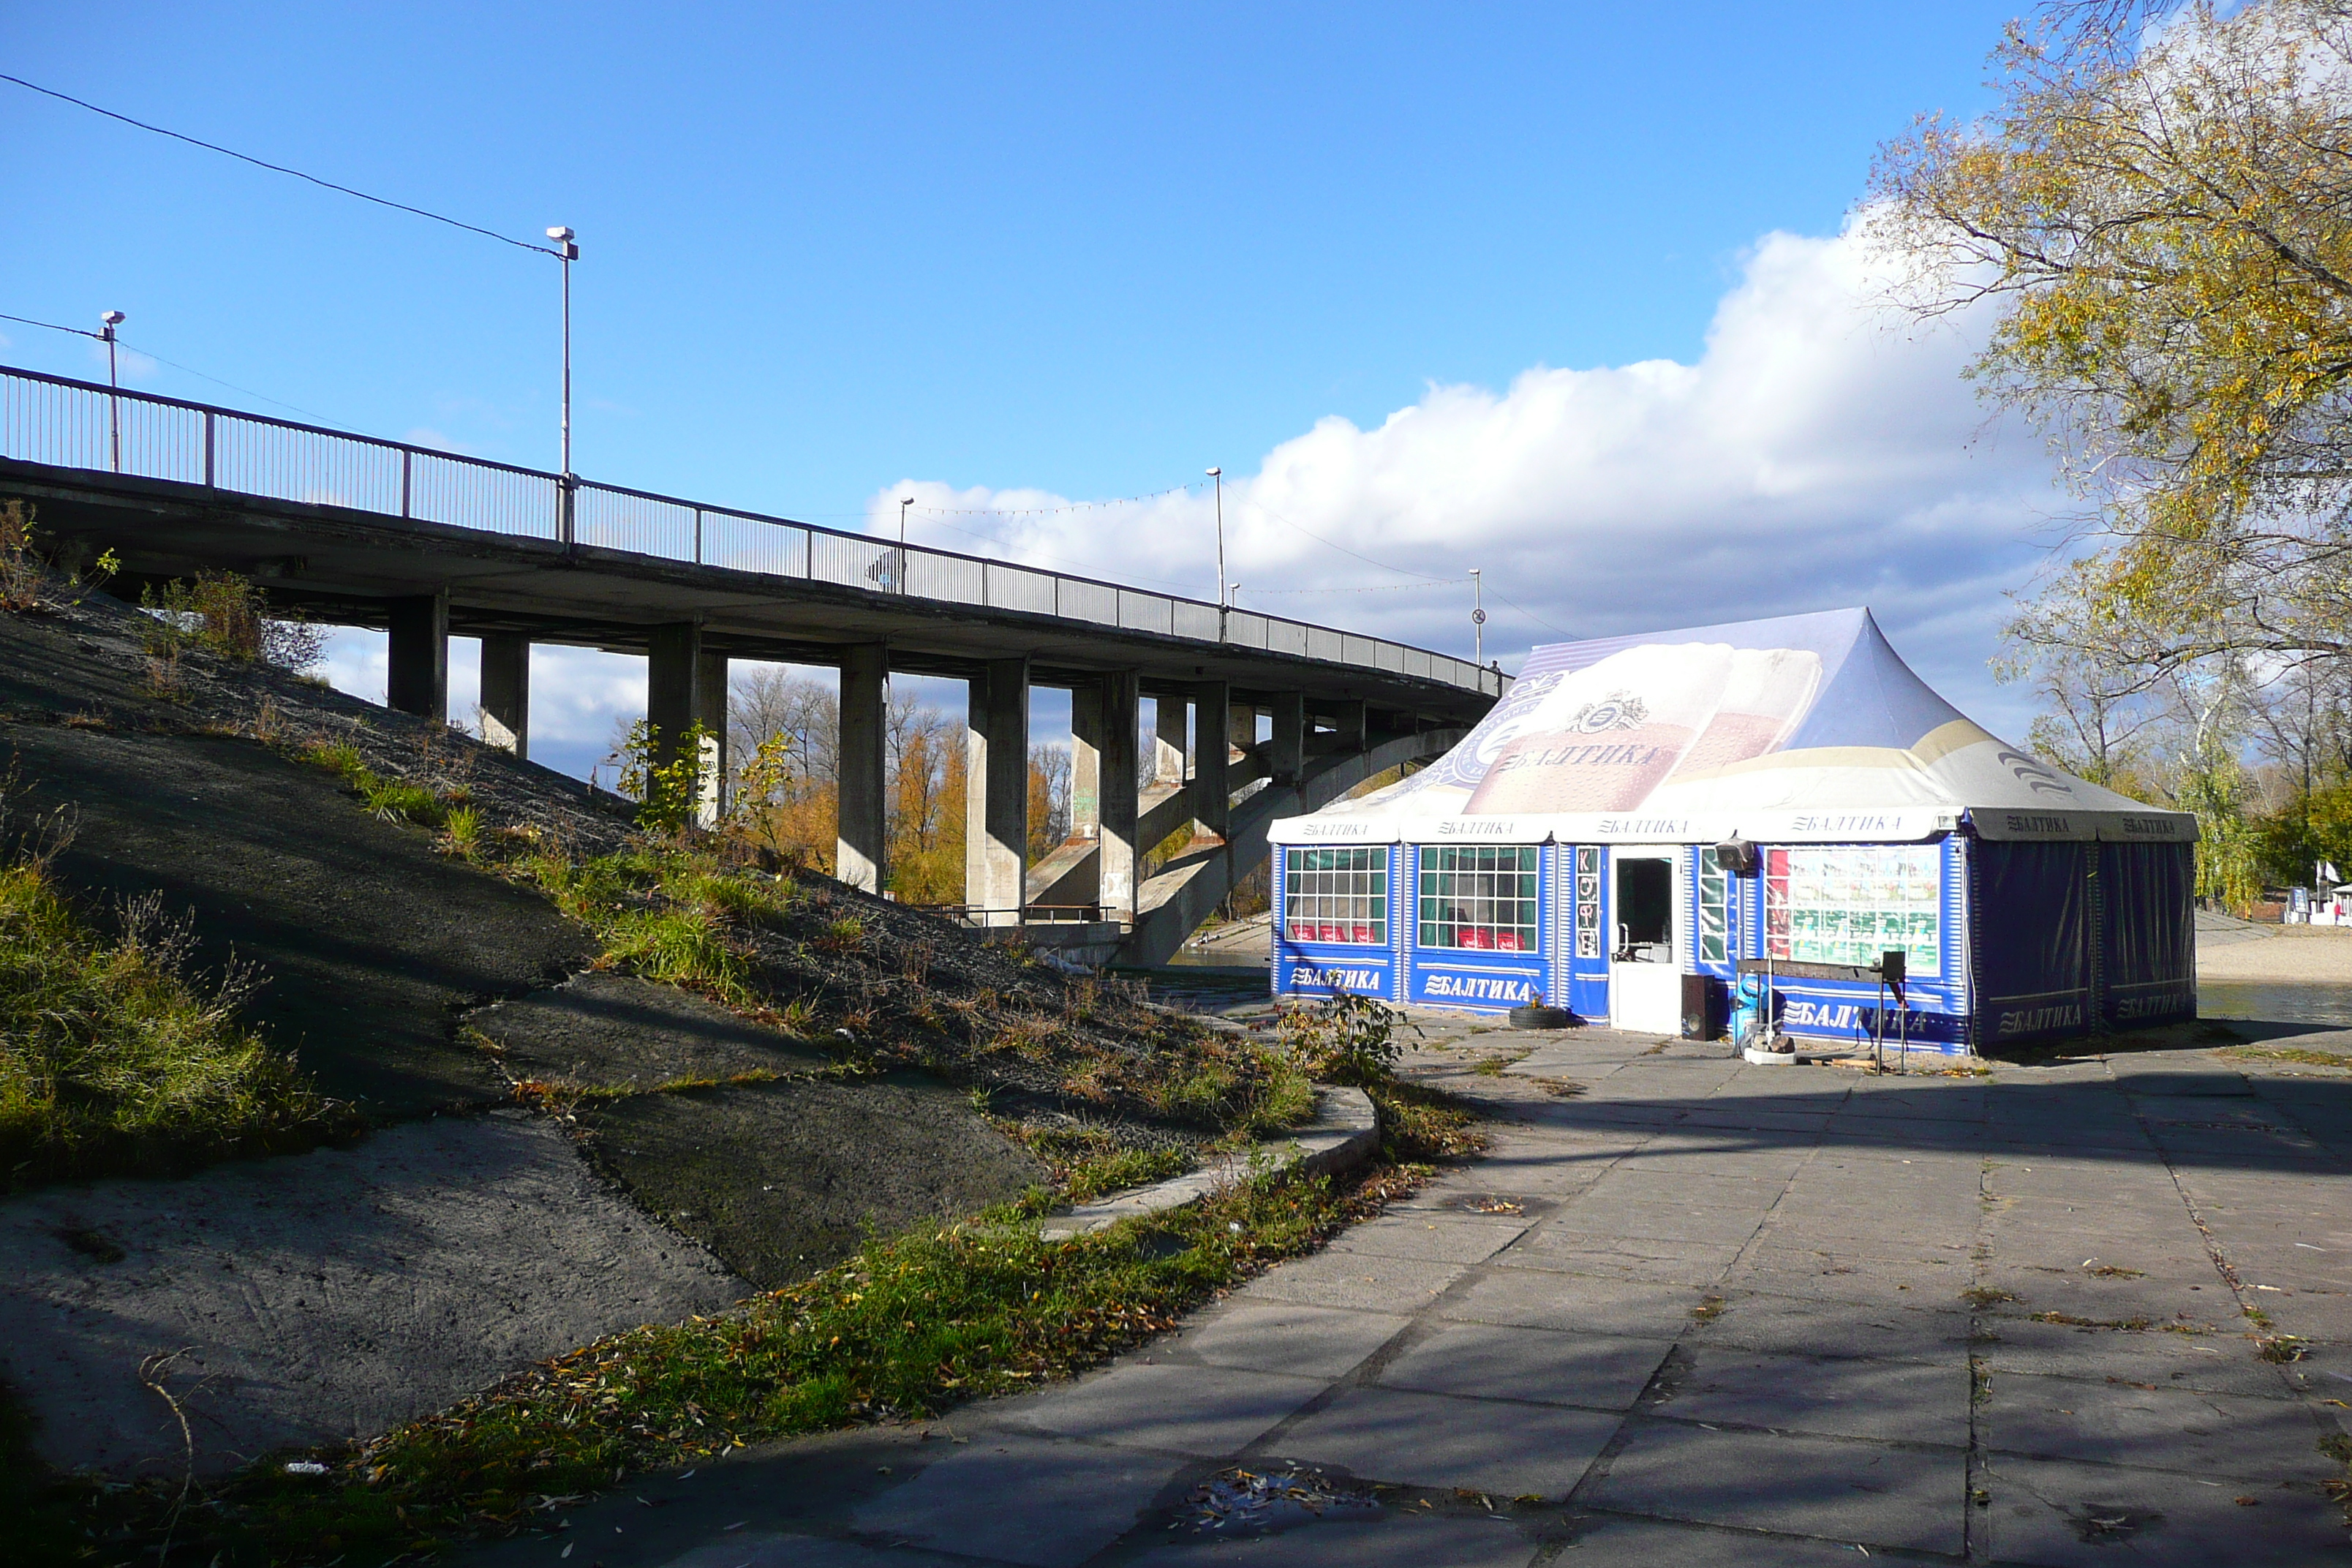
(1536, 1018)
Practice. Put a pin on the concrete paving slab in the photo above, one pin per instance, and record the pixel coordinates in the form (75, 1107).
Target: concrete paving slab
(769, 1550)
(1074, 1500)
(1283, 1337)
(1431, 1440)
(1399, 1540)
(1488, 1360)
(1864, 1493)
(1838, 1397)
(1540, 1298)
(1167, 1407)
(2214, 1364)
(1459, 1239)
(1847, 1277)
(1668, 1544)
(2256, 1440)
(1354, 1279)
(2056, 1514)
(1810, 1326)
(1630, 1257)
(1658, 1219)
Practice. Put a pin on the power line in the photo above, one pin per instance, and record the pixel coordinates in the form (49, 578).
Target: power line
(1050, 510)
(52, 326)
(273, 168)
(1341, 548)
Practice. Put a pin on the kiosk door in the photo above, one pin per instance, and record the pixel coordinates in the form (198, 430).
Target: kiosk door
(1646, 966)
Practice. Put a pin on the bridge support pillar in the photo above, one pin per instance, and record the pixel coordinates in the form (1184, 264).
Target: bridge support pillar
(505, 691)
(1169, 735)
(996, 792)
(1353, 733)
(862, 839)
(1288, 746)
(1109, 746)
(1211, 752)
(416, 670)
(686, 687)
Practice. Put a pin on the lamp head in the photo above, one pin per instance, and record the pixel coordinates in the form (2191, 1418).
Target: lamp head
(558, 234)
(1215, 472)
(113, 319)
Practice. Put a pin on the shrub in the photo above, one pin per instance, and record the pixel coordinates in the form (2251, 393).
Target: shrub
(229, 616)
(1344, 1038)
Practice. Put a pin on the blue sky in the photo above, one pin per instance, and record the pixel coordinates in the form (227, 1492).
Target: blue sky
(1075, 252)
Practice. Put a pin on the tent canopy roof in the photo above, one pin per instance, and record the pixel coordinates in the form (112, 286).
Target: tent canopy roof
(1802, 728)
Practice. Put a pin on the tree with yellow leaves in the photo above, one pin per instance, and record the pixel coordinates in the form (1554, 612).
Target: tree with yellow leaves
(2161, 209)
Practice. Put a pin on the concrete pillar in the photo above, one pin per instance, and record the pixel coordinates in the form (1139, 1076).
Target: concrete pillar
(1241, 724)
(996, 792)
(861, 844)
(1287, 744)
(416, 673)
(1116, 704)
(1351, 719)
(505, 691)
(1213, 702)
(673, 685)
(1168, 746)
(1085, 758)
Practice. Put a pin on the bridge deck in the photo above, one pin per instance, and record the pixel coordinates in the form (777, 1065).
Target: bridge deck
(340, 526)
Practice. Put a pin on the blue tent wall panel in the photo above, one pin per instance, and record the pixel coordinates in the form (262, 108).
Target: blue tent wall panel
(1588, 961)
(1320, 968)
(1478, 979)
(2147, 939)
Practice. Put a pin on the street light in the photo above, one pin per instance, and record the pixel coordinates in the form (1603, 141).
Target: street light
(904, 502)
(1219, 475)
(567, 253)
(105, 325)
(1478, 623)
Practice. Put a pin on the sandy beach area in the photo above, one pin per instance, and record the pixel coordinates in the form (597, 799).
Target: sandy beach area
(2278, 954)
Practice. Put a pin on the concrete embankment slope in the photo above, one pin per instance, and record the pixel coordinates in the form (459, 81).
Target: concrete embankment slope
(337, 1292)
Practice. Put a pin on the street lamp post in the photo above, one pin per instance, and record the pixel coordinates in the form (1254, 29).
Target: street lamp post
(1478, 623)
(107, 323)
(904, 502)
(567, 252)
(1218, 474)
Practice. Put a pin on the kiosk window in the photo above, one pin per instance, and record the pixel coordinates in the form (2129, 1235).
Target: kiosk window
(1478, 896)
(1714, 910)
(1336, 895)
(1849, 904)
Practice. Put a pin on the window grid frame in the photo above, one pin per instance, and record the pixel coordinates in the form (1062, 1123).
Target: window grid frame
(1480, 890)
(1335, 888)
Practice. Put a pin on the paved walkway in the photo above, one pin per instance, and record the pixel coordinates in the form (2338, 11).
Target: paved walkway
(1701, 1313)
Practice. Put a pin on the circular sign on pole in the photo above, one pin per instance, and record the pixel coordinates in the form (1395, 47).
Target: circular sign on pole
(1478, 618)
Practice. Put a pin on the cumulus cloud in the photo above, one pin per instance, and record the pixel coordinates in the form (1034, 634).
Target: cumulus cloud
(1821, 452)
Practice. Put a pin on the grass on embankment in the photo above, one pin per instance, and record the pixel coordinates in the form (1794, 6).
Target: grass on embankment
(115, 1061)
(911, 1327)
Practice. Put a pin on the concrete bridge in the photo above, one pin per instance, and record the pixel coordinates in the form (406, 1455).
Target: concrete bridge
(424, 544)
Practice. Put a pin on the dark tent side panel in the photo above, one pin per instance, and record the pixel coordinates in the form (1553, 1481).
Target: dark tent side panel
(2029, 933)
(2148, 935)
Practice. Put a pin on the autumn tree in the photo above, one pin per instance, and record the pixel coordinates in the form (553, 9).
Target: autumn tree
(2161, 210)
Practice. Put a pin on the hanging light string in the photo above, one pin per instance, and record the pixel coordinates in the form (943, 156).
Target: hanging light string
(276, 168)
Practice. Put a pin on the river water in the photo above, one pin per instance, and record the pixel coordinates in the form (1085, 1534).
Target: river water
(2276, 1003)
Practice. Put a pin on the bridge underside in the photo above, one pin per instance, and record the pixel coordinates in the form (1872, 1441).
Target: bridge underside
(1332, 724)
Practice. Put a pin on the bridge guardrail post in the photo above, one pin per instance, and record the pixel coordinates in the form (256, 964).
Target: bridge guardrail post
(566, 488)
(407, 480)
(208, 451)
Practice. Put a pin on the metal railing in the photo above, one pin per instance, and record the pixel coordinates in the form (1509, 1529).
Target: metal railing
(80, 424)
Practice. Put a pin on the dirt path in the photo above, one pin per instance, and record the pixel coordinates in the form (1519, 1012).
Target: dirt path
(2282, 956)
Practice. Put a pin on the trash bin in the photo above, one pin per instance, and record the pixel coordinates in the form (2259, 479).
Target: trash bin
(1704, 1004)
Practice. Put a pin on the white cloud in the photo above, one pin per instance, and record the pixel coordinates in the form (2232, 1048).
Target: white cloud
(1820, 453)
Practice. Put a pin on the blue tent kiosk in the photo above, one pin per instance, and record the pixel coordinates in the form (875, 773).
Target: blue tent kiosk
(1568, 848)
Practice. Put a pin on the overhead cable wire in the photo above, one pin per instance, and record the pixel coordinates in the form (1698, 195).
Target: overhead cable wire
(1053, 511)
(52, 326)
(276, 168)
